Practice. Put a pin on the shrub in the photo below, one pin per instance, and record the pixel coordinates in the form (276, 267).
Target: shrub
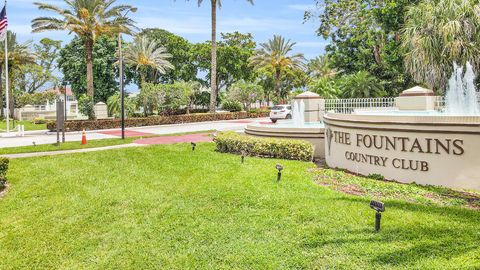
(376, 176)
(231, 142)
(152, 121)
(232, 106)
(85, 106)
(39, 121)
(3, 171)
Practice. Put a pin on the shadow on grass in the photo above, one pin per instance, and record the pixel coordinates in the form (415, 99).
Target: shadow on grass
(404, 244)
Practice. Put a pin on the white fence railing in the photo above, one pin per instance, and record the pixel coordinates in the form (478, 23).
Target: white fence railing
(349, 105)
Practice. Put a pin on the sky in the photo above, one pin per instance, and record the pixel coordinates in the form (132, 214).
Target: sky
(186, 19)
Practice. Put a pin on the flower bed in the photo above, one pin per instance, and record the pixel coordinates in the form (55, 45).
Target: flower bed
(79, 125)
(231, 142)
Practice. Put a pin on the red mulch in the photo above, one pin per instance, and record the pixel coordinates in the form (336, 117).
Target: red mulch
(128, 133)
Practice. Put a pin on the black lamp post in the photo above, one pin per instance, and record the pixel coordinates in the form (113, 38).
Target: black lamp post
(122, 88)
(193, 146)
(279, 175)
(379, 207)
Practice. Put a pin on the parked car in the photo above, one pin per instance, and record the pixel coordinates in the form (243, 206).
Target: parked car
(280, 112)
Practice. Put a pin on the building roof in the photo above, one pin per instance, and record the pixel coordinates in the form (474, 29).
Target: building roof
(58, 91)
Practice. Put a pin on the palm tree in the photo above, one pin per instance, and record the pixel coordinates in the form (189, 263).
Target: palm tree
(274, 55)
(438, 33)
(88, 19)
(145, 54)
(213, 72)
(361, 85)
(322, 67)
(18, 54)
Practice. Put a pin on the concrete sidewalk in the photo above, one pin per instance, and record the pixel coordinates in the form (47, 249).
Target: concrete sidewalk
(49, 138)
(63, 152)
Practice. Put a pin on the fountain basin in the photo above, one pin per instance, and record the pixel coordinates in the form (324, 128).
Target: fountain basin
(312, 132)
(426, 149)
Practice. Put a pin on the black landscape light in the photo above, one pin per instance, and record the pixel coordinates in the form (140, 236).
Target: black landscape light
(379, 207)
(279, 175)
(193, 146)
(243, 156)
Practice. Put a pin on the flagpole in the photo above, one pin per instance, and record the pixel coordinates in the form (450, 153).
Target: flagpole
(6, 76)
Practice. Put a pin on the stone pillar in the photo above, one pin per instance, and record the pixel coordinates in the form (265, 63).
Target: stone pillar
(314, 106)
(416, 99)
(101, 111)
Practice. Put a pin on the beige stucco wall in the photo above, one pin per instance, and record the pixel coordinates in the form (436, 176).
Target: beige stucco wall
(421, 162)
(415, 103)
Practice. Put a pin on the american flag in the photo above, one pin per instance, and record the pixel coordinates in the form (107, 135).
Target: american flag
(3, 24)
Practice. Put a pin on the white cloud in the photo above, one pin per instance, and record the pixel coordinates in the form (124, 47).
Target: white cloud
(302, 7)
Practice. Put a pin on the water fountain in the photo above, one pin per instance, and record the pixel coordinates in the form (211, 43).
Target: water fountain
(306, 124)
(461, 97)
(415, 141)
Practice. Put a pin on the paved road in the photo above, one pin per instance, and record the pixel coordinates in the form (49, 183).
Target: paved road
(49, 138)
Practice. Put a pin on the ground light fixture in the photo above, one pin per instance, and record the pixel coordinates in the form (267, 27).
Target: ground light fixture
(243, 156)
(193, 146)
(279, 169)
(379, 207)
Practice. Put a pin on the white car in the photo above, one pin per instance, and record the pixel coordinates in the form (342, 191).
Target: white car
(281, 112)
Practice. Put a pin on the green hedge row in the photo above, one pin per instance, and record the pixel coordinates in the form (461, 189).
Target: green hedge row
(79, 125)
(231, 142)
(3, 171)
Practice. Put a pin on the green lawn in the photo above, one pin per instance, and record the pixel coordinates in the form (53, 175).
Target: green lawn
(166, 207)
(29, 126)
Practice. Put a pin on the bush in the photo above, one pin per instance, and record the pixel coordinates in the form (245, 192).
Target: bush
(232, 106)
(376, 176)
(231, 142)
(85, 106)
(153, 121)
(39, 121)
(3, 171)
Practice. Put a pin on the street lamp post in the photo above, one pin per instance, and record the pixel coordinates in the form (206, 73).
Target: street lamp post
(122, 90)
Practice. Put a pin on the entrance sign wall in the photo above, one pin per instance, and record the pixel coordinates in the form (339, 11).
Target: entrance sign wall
(439, 150)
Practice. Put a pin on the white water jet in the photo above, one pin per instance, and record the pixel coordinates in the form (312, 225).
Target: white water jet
(298, 114)
(461, 97)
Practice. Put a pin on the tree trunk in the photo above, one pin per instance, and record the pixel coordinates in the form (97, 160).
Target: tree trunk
(278, 75)
(89, 58)
(213, 79)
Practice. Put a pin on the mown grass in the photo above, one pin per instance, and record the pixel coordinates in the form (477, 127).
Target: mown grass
(29, 126)
(166, 207)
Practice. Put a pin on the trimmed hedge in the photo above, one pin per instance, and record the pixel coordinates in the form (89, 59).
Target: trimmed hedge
(3, 171)
(231, 142)
(79, 125)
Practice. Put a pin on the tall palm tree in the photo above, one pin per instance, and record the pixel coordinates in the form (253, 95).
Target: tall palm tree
(275, 55)
(213, 73)
(145, 54)
(436, 34)
(88, 19)
(18, 54)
